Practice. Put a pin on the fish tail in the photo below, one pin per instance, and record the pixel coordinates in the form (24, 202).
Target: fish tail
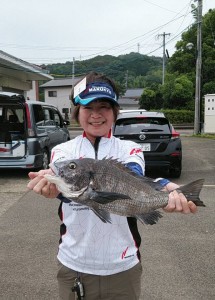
(192, 191)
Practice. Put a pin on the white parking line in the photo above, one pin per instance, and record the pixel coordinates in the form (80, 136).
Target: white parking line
(209, 185)
(205, 185)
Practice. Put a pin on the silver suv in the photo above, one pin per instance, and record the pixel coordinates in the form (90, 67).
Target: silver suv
(28, 132)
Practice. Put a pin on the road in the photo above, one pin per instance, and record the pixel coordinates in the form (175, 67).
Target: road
(177, 253)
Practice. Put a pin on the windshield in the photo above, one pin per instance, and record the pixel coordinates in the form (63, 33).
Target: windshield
(138, 125)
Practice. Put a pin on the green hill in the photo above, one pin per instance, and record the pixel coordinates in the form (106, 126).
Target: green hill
(119, 68)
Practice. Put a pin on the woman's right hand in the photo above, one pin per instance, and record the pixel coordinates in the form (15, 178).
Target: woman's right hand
(41, 185)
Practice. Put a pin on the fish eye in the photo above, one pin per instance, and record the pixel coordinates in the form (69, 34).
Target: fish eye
(72, 165)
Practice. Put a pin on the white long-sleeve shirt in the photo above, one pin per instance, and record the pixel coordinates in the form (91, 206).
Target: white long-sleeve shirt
(87, 244)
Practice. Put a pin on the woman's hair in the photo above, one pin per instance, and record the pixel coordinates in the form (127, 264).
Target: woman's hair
(96, 77)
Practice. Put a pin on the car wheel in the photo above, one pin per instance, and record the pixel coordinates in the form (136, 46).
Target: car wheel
(175, 171)
(45, 164)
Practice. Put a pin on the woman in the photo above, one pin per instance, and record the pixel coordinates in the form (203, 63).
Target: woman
(104, 258)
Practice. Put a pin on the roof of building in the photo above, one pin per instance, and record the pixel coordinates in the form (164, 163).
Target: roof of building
(133, 93)
(126, 103)
(61, 82)
(13, 66)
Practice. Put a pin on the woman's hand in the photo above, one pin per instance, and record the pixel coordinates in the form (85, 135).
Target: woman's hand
(41, 185)
(178, 202)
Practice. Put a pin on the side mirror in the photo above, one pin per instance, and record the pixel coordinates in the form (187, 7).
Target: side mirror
(66, 122)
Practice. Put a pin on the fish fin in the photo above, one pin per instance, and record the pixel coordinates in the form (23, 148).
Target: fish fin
(107, 197)
(103, 215)
(149, 218)
(192, 191)
(122, 166)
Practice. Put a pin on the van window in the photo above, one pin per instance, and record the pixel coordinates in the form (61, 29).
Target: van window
(13, 115)
(39, 115)
(47, 116)
(56, 117)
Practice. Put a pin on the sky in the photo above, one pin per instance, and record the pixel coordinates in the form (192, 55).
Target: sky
(56, 31)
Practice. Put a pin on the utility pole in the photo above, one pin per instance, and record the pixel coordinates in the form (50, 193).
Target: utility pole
(138, 48)
(197, 123)
(164, 55)
(126, 80)
(73, 71)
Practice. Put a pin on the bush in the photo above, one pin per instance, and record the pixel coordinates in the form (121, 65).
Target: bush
(179, 116)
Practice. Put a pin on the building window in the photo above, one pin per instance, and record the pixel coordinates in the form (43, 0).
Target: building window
(52, 93)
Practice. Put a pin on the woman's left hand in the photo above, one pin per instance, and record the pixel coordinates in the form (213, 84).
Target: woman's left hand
(178, 202)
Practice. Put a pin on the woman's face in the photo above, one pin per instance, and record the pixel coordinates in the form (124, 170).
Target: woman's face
(96, 119)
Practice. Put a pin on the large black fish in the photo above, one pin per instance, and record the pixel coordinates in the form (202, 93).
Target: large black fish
(107, 186)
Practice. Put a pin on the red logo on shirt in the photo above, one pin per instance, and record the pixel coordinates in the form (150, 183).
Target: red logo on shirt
(124, 253)
(135, 151)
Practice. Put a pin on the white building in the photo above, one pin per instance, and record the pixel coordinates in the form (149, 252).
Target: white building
(209, 125)
(58, 92)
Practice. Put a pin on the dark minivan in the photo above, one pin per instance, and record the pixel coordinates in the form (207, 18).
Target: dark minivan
(28, 132)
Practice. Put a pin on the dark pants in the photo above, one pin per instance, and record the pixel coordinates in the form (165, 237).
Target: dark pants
(121, 286)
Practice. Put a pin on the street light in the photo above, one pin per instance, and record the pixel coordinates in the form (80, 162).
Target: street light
(189, 46)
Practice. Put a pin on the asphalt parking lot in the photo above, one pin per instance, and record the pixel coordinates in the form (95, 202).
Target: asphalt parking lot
(177, 253)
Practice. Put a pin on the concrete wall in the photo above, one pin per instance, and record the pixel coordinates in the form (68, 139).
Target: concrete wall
(33, 93)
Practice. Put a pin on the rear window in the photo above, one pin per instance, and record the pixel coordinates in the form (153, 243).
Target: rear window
(11, 114)
(137, 125)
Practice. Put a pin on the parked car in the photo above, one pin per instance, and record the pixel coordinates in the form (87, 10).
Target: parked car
(161, 144)
(28, 132)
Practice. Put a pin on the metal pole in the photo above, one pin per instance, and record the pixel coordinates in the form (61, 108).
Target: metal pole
(197, 124)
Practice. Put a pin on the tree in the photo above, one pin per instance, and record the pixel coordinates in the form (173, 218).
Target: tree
(151, 98)
(209, 88)
(183, 61)
(147, 100)
(177, 91)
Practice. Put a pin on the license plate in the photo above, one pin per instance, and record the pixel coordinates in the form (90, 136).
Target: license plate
(146, 147)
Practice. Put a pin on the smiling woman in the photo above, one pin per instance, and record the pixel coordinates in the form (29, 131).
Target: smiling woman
(104, 258)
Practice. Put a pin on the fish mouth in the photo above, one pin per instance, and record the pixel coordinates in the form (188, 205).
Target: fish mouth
(63, 187)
